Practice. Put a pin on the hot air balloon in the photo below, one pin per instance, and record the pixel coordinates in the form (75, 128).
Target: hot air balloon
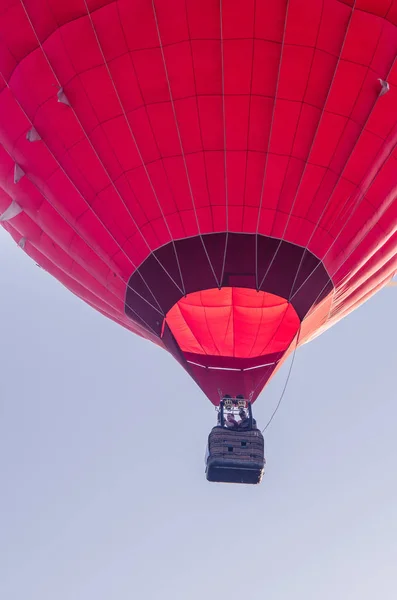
(217, 176)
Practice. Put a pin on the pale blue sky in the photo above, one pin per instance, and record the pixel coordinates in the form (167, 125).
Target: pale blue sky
(102, 440)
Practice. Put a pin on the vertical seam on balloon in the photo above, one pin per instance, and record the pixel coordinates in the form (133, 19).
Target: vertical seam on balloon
(139, 154)
(74, 260)
(328, 169)
(101, 162)
(302, 103)
(128, 286)
(208, 327)
(198, 116)
(145, 105)
(89, 209)
(368, 257)
(316, 307)
(178, 306)
(356, 186)
(96, 154)
(84, 132)
(249, 114)
(262, 352)
(17, 231)
(100, 126)
(342, 229)
(210, 332)
(268, 146)
(361, 197)
(194, 334)
(180, 138)
(388, 10)
(311, 146)
(224, 138)
(340, 175)
(69, 275)
(84, 266)
(227, 325)
(259, 326)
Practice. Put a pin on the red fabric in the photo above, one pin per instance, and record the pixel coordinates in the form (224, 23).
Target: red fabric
(236, 322)
(182, 120)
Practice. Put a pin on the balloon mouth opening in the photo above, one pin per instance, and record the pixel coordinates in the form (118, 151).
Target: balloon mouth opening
(232, 322)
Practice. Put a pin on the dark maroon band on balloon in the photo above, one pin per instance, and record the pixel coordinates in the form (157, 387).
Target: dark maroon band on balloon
(195, 264)
(288, 270)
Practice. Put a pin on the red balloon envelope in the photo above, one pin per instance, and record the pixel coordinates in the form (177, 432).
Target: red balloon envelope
(217, 176)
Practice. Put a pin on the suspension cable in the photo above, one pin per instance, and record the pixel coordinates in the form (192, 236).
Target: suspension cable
(285, 384)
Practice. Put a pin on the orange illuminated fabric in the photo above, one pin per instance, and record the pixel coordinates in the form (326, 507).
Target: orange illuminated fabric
(236, 322)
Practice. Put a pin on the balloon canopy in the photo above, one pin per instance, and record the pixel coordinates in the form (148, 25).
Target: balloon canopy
(217, 176)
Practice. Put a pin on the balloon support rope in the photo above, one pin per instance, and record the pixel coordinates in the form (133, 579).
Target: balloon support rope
(285, 386)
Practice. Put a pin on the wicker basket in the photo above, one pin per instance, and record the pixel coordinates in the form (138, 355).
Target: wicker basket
(235, 456)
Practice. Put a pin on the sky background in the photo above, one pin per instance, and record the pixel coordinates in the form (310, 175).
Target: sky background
(103, 494)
